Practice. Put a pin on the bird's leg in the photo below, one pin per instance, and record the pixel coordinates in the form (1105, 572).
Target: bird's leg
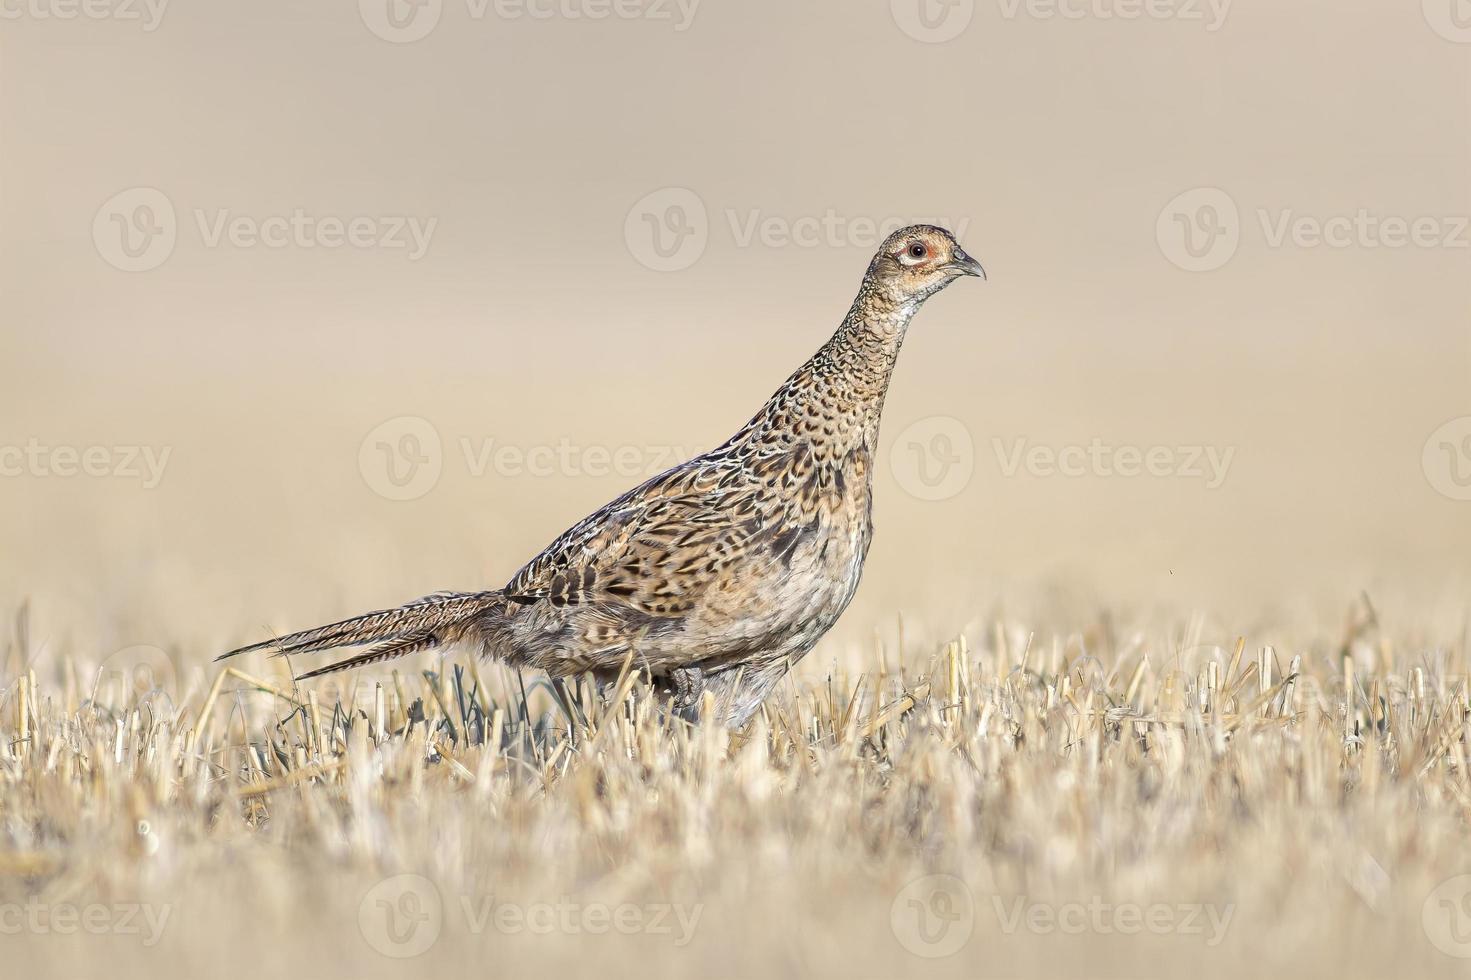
(570, 705)
(688, 684)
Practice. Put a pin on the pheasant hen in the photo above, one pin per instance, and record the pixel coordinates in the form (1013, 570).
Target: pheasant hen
(719, 574)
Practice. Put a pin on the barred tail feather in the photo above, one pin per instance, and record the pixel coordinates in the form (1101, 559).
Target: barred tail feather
(414, 626)
(403, 646)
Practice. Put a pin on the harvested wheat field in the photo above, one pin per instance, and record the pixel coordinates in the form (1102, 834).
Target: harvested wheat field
(1097, 802)
(552, 330)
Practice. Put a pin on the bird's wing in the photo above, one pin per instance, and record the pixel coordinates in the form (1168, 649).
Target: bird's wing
(658, 548)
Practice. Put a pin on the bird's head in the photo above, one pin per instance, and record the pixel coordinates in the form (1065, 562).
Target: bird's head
(916, 262)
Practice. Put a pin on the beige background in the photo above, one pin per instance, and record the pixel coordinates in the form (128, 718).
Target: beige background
(1052, 144)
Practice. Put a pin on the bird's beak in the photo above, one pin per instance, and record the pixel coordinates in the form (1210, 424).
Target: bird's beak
(965, 265)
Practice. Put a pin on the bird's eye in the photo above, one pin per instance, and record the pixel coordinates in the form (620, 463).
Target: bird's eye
(914, 254)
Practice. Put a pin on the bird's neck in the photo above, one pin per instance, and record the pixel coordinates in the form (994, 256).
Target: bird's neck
(834, 401)
(860, 356)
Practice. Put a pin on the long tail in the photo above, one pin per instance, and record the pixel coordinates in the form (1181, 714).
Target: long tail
(419, 625)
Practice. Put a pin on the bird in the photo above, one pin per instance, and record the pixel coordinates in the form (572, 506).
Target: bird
(714, 577)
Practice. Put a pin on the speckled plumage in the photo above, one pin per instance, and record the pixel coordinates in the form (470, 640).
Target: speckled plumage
(722, 572)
